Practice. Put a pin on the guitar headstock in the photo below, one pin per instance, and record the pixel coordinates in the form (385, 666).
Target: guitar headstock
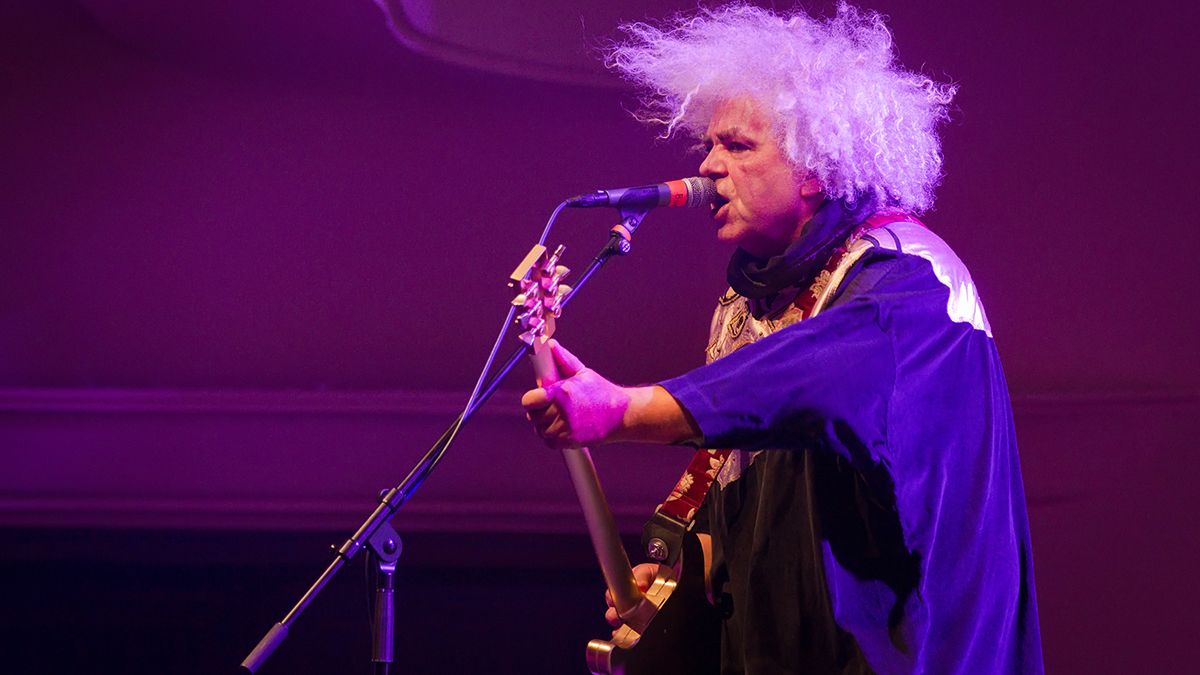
(540, 293)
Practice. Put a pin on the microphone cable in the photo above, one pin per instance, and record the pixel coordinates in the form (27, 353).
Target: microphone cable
(427, 463)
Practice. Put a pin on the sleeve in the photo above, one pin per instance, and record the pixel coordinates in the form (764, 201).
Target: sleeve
(828, 376)
(782, 390)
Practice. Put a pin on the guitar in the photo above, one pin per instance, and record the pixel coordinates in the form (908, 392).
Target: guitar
(656, 637)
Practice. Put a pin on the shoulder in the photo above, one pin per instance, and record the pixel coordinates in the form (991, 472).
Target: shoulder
(912, 239)
(907, 257)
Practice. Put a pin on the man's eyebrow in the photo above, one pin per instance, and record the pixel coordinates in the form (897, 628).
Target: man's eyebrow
(730, 132)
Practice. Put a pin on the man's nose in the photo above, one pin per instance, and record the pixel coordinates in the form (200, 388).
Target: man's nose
(712, 166)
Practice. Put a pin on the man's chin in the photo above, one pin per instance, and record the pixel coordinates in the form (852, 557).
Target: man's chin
(728, 234)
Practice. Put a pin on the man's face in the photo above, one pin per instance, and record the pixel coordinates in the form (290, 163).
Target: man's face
(763, 204)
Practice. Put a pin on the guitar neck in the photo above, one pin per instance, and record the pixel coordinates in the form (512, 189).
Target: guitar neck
(606, 540)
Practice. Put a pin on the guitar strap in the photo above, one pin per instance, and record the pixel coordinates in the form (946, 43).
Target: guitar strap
(662, 536)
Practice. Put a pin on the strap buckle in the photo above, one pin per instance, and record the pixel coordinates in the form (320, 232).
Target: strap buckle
(662, 538)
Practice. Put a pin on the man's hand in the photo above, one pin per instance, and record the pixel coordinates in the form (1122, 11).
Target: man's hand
(581, 409)
(643, 575)
(585, 409)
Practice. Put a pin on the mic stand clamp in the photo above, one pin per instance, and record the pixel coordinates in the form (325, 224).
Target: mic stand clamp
(384, 550)
(620, 241)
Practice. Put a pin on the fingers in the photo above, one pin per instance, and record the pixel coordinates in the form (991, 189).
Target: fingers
(547, 416)
(550, 424)
(644, 575)
(610, 614)
(538, 399)
(543, 419)
(568, 364)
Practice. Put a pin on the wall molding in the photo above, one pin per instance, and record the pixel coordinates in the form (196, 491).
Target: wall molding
(255, 401)
(299, 515)
(311, 460)
(411, 402)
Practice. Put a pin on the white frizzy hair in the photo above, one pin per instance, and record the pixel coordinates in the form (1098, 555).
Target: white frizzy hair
(842, 107)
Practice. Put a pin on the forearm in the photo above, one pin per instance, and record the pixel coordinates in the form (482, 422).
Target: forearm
(654, 416)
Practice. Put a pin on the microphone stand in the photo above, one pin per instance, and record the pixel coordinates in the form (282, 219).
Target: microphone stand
(376, 532)
(385, 550)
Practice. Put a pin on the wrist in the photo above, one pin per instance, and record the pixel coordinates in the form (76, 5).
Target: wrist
(652, 415)
(638, 402)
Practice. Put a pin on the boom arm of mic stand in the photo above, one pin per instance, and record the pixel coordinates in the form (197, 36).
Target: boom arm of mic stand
(395, 498)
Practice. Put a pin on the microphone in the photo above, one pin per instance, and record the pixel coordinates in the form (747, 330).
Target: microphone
(689, 192)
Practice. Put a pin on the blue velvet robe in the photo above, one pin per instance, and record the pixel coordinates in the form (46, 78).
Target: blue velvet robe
(883, 528)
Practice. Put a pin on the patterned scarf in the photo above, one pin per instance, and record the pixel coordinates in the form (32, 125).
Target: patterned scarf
(762, 279)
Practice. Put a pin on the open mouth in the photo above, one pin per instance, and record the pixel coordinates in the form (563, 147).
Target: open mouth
(717, 203)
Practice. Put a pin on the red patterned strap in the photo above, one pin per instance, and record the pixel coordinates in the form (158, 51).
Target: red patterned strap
(687, 495)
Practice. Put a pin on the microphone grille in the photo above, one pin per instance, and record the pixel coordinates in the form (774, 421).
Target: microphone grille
(700, 191)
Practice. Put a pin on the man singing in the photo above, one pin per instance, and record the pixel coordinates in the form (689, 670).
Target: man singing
(871, 516)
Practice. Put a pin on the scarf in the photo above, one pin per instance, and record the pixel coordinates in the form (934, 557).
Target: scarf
(762, 279)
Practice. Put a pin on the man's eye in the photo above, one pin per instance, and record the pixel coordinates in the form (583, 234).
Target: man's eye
(734, 146)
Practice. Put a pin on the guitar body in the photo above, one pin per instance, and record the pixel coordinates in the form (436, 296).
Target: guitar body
(683, 637)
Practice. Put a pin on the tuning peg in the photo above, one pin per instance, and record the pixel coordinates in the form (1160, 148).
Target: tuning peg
(530, 318)
(519, 301)
(561, 271)
(552, 261)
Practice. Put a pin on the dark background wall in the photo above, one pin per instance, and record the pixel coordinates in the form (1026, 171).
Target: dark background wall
(252, 256)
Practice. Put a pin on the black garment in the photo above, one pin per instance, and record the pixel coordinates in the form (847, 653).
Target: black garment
(768, 537)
